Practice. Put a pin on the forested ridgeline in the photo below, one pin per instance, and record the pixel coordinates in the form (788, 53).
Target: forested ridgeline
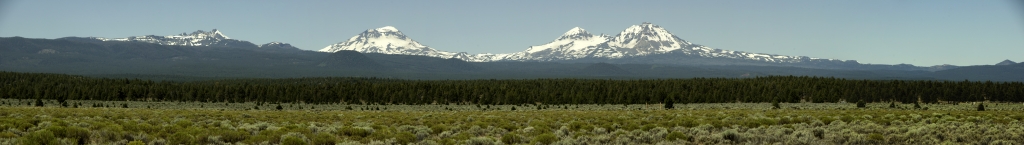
(549, 91)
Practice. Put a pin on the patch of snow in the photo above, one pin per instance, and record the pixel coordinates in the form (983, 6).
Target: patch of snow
(387, 29)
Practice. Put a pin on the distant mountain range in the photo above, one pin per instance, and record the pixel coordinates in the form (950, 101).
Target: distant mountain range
(638, 44)
(645, 43)
(146, 60)
(640, 51)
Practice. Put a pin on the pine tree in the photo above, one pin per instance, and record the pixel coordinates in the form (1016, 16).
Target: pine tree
(39, 102)
(669, 103)
(775, 105)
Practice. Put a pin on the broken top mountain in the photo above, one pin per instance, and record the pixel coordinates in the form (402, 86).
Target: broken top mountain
(644, 43)
(198, 38)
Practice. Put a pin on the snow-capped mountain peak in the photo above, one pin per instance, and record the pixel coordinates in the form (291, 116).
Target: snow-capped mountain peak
(386, 40)
(573, 44)
(200, 34)
(648, 38)
(213, 33)
(575, 33)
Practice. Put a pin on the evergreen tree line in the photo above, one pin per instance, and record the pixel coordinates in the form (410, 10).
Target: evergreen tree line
(547, 91)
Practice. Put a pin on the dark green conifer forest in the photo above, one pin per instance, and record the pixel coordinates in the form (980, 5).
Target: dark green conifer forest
(528, 91)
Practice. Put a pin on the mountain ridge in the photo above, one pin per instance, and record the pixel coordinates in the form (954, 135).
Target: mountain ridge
(643, 43)
(1006, 62)
(94, 57)
(214, 38)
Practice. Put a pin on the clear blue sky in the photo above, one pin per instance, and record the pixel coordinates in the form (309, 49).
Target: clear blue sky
(919, 32)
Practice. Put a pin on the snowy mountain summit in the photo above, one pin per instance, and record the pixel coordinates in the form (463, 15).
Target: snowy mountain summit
(386, 40)
(636, 41)
(574, 44)
(646, 39)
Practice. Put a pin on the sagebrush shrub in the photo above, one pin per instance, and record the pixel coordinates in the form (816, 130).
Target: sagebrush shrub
(354, 131)
(181, 138)
(676, 136)
(324, 139)
(480, 141)
(293, 138)
(731, 135)
(512, 138)
(404, 137)
(546, 138)
(876, 137)
(233, 136)
(80, 135)
(136, 143)
(41, 137)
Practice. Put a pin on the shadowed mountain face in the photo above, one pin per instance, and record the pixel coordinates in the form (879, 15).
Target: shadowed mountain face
(603, 69)
(424, 64)
(458, 64)
(985, 72)
(350, 60)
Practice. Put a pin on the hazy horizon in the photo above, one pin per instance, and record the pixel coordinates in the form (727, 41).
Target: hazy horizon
(922, 33)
